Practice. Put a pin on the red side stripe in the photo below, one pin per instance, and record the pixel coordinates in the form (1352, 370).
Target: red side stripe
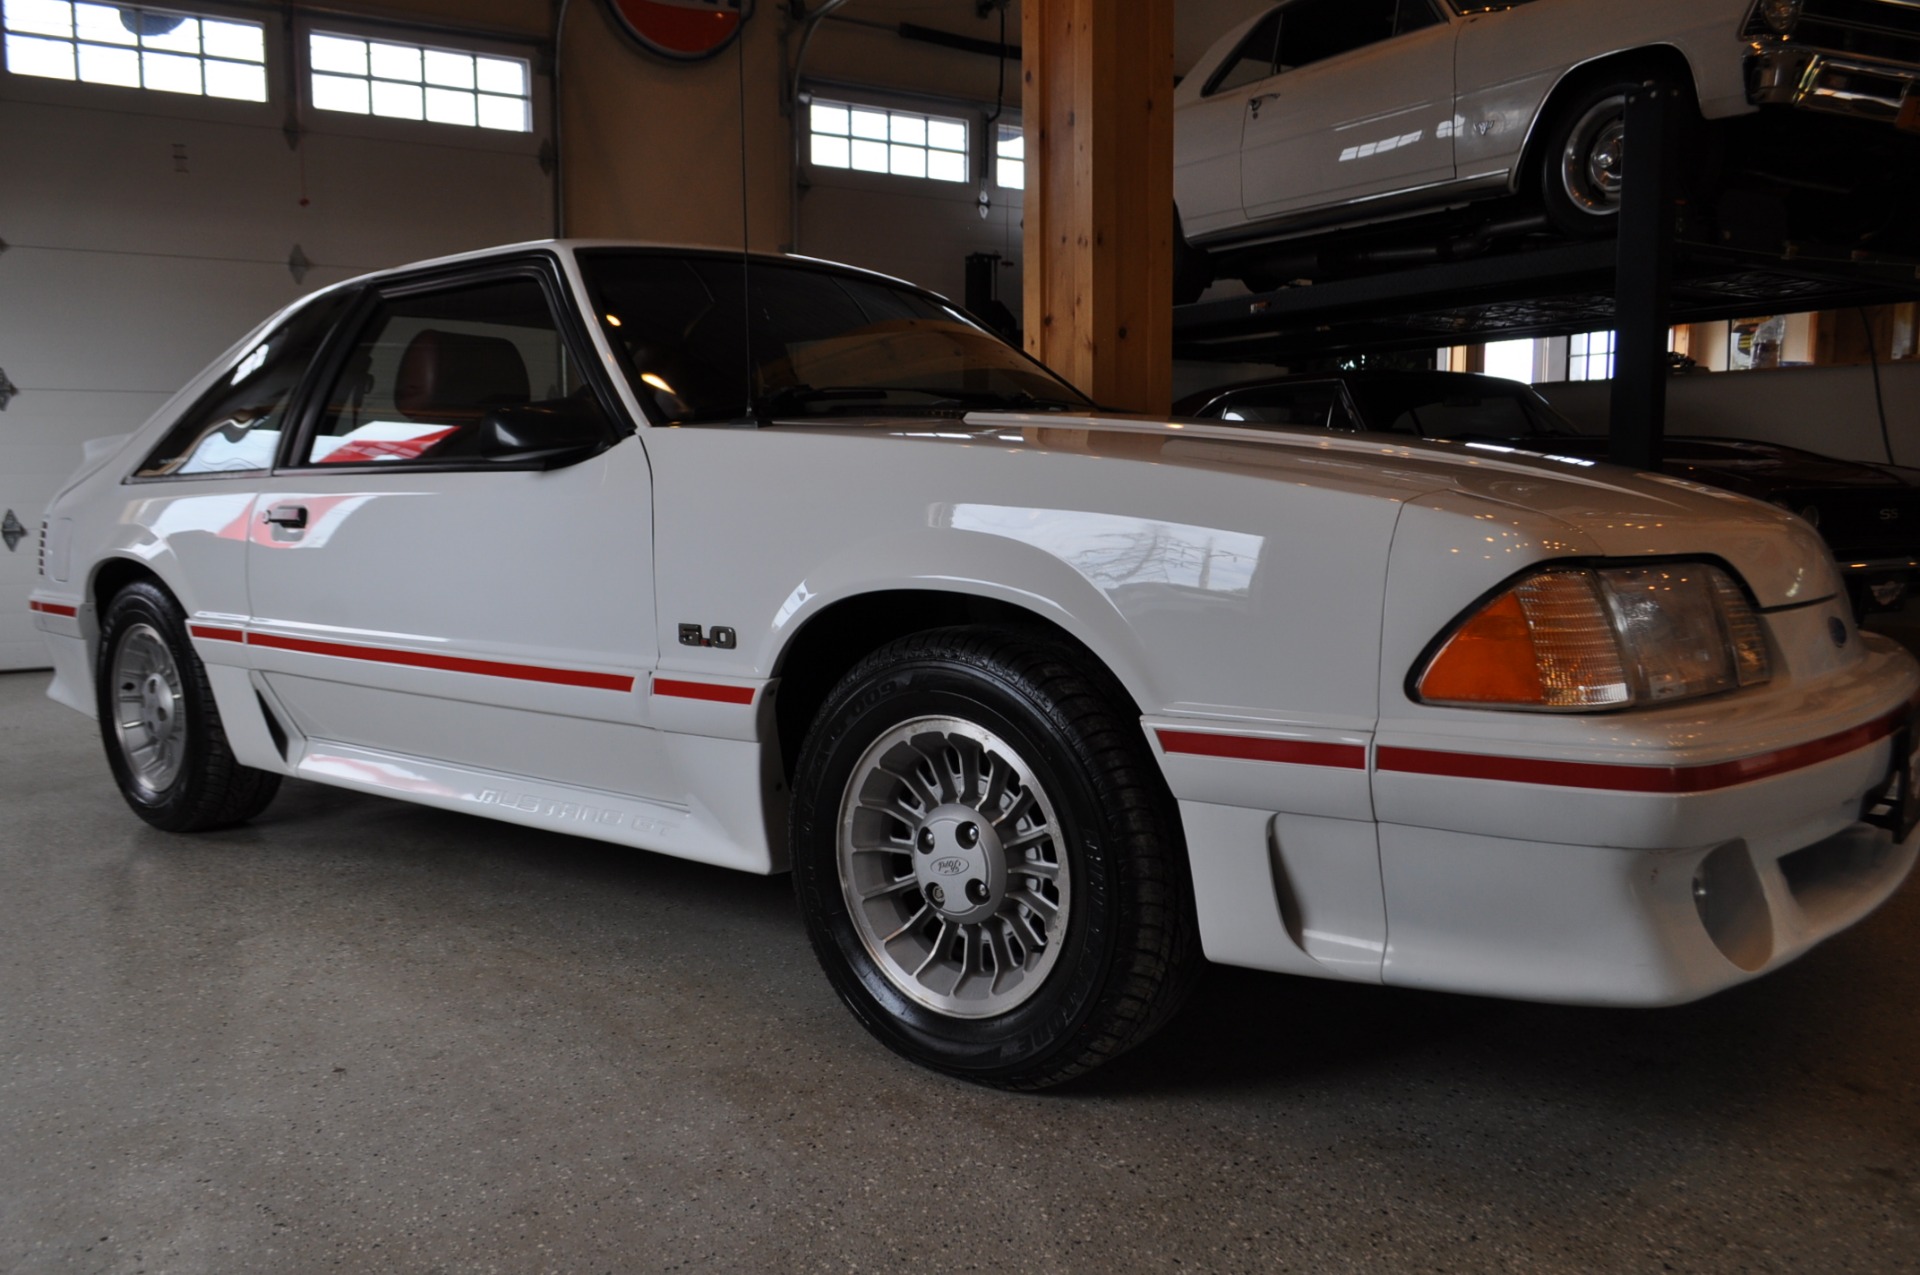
(703, 691)
(448, 663)
(1613, 777)
(53, 608)
(1298, 752)
(213, 633)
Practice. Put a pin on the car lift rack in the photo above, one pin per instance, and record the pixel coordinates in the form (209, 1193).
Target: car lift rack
(1638, 283)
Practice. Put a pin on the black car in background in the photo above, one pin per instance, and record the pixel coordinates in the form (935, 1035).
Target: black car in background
(1869, 514)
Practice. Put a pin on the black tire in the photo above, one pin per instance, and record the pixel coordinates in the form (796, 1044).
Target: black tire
(165, 744)
(1119, 952)
(1580, 159)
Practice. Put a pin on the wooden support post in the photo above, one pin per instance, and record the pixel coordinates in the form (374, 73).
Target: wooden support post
(1643, 277)
(1098, 111)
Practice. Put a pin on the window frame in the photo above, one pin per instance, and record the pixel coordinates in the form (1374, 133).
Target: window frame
(413, 41)
(967, 153)
(1440, 17)
(297, 53)
(543, 268)
(160, 102)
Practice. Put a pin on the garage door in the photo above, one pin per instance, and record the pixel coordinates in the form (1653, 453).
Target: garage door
(172, 177)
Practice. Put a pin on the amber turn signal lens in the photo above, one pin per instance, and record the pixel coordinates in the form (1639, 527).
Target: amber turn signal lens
(1489, 661)
(1548, 642)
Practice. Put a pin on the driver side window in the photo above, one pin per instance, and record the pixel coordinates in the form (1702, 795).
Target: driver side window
(430, 369)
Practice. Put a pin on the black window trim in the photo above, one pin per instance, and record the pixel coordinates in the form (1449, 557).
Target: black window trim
(542, 267)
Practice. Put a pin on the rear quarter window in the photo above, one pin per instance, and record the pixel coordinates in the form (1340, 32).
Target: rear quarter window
(235, 427)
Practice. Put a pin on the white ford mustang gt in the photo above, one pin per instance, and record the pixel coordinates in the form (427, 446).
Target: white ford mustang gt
(1039, 703)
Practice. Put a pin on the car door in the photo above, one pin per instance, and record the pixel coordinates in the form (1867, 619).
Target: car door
(1360, 106)
(1210, 129)
(421, 590)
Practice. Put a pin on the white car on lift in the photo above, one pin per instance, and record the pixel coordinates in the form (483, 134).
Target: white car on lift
(1318, 114)
(1038, 703)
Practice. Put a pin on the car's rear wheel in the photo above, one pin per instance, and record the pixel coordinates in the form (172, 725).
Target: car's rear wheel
(165, 743)
(988, 863)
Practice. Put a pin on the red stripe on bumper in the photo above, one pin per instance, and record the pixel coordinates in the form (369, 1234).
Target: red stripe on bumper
(703, 691)
(1613, 777)
(1297, 752)
(214, 633)
(53, 608)
(446, 663)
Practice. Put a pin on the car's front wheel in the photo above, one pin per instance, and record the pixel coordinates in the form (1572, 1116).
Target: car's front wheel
(1582, 165)
(164, 740)
(988, 863)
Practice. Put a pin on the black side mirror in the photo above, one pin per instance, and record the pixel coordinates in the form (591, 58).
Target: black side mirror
(557, 432)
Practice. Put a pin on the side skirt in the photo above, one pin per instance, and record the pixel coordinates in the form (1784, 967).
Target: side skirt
(647, 825)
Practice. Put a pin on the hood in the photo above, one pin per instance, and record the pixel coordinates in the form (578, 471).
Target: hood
(1613, 512)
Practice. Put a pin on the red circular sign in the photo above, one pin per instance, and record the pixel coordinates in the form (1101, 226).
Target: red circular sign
(684, 29)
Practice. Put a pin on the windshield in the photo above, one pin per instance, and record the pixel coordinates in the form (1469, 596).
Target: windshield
(1463, 407)
(802, 341)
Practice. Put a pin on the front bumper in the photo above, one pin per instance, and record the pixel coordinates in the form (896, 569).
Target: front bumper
(1835, 84)
(1589, 874)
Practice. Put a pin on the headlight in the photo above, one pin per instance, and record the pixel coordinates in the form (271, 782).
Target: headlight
(1579, 638)
(1781, 16)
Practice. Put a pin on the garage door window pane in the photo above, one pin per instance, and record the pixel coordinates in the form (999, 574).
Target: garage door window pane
(831, 152)
(872, 140)
(829, 119)
(100, 24)
(100, 65)
(334, 53)
(870, 157)
(450, 106)
(231, 79)
(39, 17)
(97, 44)
(415, 82)
(394, 62)
(1010, 157)
(398, 101)
(337, 93)
(236, 41)
(500, 75)
(52, 59)
(508, 114)
(170, 73)
(946, 166)
(169, 34)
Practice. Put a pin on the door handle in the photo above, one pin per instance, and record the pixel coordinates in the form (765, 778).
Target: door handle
(287, 516)
(1260, 100)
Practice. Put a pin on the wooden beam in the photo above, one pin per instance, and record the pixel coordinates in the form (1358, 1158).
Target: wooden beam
(1098, 113)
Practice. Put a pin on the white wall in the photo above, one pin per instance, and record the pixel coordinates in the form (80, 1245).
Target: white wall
(1822, 409)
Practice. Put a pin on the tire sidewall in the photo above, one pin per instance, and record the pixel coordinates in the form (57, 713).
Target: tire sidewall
(1049, 1022)
(1564, 213)
(145, 604)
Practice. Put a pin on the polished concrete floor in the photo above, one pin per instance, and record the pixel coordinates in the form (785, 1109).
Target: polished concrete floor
(364, 1035)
